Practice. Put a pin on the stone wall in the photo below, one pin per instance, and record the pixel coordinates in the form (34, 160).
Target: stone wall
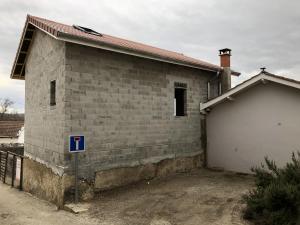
(124, 105)
(45, 133)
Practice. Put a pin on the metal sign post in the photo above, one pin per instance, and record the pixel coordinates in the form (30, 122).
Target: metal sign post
(76, 145)
(76, 177)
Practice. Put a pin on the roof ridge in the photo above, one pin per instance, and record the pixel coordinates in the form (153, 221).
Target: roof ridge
(273, 75)
(252, 80)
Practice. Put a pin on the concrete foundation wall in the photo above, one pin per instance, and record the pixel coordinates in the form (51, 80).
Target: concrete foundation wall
(44, 183)
(124, 105)
(108, 179)
(45, 124)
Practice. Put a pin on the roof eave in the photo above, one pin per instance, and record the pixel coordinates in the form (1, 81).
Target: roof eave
(12, 73)
(244, 86)
(18, 69)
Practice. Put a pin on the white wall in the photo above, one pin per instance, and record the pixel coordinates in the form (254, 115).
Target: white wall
(21, 136)
(8, 140)
(262, 121)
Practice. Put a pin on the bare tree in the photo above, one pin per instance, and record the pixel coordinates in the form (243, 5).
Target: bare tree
(4, 105)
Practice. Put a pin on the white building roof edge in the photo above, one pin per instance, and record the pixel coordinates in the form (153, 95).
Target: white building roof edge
(262, 77)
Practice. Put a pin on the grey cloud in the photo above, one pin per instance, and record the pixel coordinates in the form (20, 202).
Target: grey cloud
(261, 33)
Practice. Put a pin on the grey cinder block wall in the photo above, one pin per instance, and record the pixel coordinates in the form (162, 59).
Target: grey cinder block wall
(124, 105)
(45, 124)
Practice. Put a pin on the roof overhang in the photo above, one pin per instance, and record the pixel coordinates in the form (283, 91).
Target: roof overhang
(260, 78)
(18, 69)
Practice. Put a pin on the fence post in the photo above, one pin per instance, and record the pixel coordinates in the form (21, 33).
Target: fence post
(21, 175)
(1, 169)
(5, 169)
(13, 175)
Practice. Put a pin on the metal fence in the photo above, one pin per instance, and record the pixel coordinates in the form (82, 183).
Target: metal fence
(12, 147)
(11, 169)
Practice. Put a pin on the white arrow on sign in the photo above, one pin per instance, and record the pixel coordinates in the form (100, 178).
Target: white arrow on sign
(77, 139)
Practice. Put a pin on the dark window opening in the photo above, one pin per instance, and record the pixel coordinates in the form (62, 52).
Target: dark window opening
(180, 99)
(53, 92)
(87, 30)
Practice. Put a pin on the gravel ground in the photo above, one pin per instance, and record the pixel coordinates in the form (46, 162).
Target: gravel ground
(201, 197)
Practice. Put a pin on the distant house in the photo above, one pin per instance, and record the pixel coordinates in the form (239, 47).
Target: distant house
(11, 132)
(137, 105)
(257, 118)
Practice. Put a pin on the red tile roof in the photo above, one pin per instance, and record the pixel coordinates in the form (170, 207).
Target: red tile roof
(71, 34)
(10, 129)
(55, 28)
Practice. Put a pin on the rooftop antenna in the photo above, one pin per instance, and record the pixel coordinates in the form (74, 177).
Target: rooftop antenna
(263, 69)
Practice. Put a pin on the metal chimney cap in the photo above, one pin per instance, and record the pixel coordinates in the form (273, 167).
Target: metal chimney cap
(225, 51)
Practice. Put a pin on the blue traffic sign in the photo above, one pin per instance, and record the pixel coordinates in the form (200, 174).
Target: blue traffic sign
(76, 143)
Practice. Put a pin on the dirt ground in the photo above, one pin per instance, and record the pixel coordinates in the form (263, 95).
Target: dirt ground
(20, 208)
(201, 197)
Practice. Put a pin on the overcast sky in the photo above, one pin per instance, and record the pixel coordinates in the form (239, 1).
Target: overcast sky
(260, 33)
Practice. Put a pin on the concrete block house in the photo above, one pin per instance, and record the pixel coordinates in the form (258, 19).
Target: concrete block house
(137, 105)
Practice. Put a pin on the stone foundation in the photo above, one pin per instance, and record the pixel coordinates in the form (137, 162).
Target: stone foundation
(41, 181)
(117, 177)
(44, 183)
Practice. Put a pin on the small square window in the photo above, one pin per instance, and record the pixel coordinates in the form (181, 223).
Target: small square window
(53, 93)
(180, 99)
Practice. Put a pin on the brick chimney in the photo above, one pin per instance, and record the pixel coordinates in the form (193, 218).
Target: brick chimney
(225, 55)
